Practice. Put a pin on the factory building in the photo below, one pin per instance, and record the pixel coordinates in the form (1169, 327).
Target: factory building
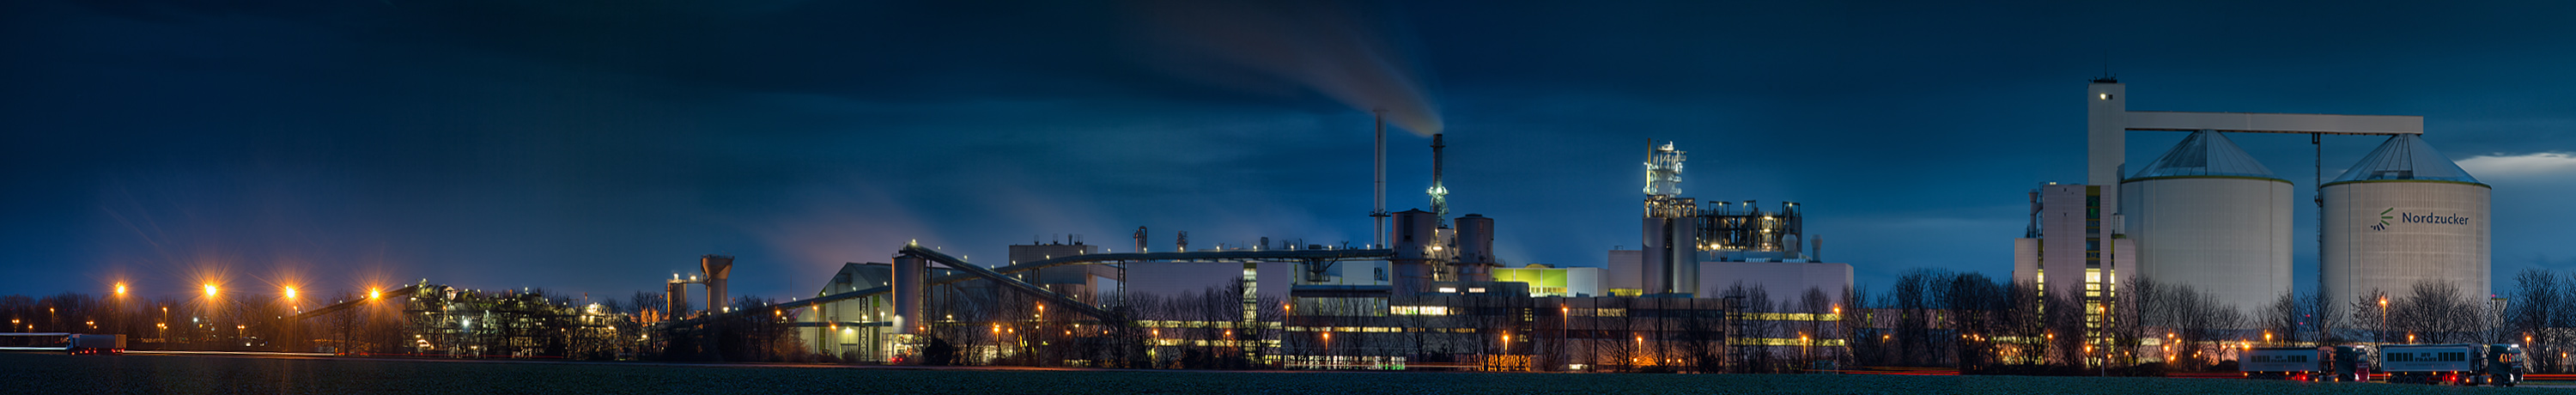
(842, 328)
(1691, 251)
(2065, 249)
(2404, 214)
(2209, 216)
(1547, 281)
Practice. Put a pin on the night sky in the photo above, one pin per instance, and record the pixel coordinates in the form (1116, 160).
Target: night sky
(599, 146)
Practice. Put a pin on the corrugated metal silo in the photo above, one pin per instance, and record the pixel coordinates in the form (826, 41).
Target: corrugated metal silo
(2209, 216)
(2404, 215)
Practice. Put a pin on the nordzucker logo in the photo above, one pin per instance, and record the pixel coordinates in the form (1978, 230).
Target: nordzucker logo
(2417, 219)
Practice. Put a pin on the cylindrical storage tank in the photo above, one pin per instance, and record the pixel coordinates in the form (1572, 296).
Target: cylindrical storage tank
(1475, 248)
(1671, 256)
(1682, 265)
(2208, 216)
(908, 276)
(1651, 262)
(1415, 230)
(2405, 215)
(675, 299)
(719, 269)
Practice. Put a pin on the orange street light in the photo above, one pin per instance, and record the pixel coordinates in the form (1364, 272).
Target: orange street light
(120, 289)
(210, 289)
(290, 292)
(373, 293)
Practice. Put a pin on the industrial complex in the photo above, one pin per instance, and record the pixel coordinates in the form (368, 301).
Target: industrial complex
(1713, 286)
(1430, 293)
(2204, 215)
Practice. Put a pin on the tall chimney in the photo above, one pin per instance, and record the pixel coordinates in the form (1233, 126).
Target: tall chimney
(1439, 194)
(1379, 194)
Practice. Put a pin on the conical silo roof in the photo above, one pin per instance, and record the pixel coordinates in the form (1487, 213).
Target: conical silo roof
(2205, 153)
(2406, 157)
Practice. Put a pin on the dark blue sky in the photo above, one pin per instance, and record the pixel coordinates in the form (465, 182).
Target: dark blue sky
(600, 146)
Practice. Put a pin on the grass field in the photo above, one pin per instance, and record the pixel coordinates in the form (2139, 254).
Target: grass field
(139, 374)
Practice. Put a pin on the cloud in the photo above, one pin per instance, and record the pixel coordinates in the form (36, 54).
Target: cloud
(2534, 165)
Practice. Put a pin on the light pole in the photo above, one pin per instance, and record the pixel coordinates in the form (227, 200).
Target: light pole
(2383, 318)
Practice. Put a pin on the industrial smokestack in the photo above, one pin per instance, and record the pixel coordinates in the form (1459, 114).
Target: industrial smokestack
(1378, 195)
(1439, 194)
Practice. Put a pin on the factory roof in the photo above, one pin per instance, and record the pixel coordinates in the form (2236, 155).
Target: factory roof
(2405, 157)
(2205, 153)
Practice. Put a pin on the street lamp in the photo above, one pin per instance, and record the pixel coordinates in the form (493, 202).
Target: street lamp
(2383, 317)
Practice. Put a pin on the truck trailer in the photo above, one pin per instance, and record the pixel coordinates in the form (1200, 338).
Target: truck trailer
(2286, 363)
(2455, 364)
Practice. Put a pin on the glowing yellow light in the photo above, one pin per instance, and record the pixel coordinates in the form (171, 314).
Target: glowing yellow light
(373, 293)
(120, 289)
(290, 292)
(210, 290)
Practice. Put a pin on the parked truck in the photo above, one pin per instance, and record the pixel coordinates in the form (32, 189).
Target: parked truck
(2286, 363)
(2351, 363)
(97, 344)
(2455, 364)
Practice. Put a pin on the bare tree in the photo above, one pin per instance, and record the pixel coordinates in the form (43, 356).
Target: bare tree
(2535, 299)
(2280, 320)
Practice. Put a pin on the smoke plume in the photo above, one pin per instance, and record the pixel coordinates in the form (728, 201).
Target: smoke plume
(1328, 47)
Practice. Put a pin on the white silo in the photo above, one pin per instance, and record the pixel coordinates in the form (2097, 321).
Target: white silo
(2209, 216)
(2404, 215)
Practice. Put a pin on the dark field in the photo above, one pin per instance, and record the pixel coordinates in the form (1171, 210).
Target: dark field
(141, 374)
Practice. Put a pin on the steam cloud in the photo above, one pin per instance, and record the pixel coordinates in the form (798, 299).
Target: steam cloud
(1324, 46)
